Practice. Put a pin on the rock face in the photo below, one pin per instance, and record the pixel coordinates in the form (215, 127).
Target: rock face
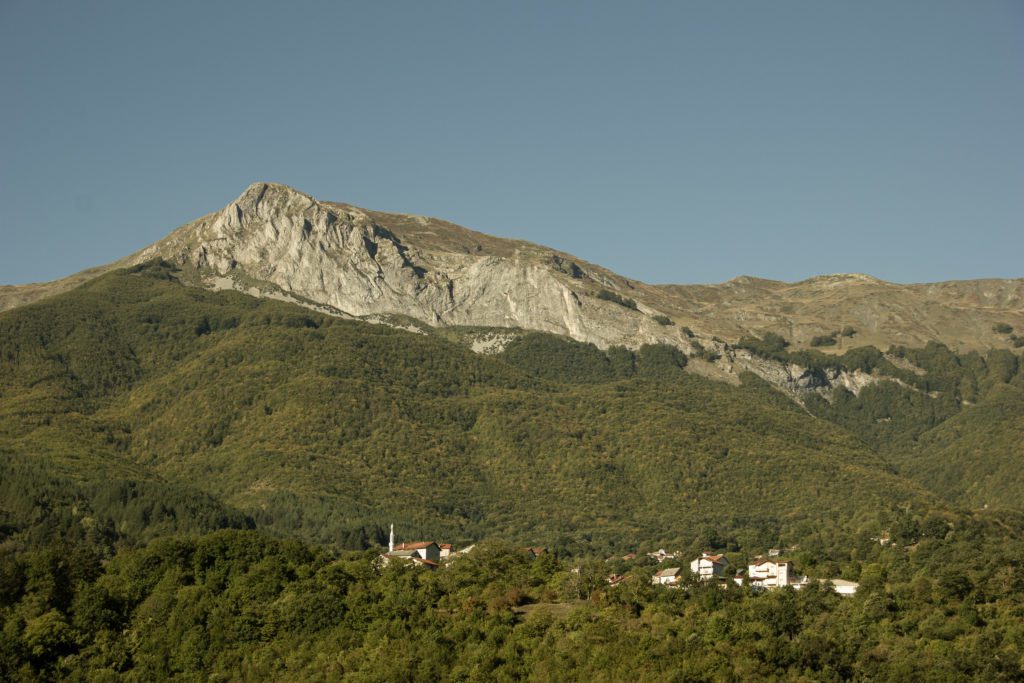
(796, 380)
(355, 262)
(276, 241)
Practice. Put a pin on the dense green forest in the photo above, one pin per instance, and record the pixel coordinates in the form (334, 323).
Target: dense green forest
(237, 604)
(330, 429)
(190, 482)
(952, 422)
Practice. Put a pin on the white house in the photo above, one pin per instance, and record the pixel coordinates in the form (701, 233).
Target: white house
(661, 555)
(668, 577)
(422, 553)
(766, 573)
(708, 567)
(425, 550)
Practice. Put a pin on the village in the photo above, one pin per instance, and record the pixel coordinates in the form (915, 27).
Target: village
(765, 573)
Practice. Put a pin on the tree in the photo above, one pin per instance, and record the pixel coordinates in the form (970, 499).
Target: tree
(954, 584)
(47, 636)
(824, 340)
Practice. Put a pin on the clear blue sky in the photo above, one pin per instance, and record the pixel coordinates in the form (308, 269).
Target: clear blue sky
(670, 141)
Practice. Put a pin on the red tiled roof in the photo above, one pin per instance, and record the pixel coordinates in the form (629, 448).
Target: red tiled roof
(445, 546)
(429, 563)
(414, 546)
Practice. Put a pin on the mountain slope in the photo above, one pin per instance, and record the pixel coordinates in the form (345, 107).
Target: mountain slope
(976, 457)
(333, 428)
(276, 241)
(959, 314)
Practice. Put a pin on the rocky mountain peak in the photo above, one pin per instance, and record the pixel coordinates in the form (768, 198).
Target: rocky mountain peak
(264, 200)
(274, 240)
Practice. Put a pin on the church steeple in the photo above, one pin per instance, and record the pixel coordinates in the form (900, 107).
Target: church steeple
(391, 539)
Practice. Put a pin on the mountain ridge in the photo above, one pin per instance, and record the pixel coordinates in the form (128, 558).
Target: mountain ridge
(276, 240)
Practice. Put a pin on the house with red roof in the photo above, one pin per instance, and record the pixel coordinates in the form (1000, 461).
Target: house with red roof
(421, 553)
(709, 567)
(424, 550)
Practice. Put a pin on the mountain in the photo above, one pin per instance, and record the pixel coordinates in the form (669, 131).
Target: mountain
(316, 265)
(275, 241)
(331, 428)
(183, 467)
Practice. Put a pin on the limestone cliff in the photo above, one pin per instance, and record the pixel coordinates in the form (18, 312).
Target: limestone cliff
(370, 264)
(276, 241)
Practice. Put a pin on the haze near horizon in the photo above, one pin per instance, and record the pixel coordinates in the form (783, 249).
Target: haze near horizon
(671, 144)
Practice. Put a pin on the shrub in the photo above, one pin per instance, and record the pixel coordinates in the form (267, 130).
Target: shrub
(605, 295)
(771, 346)
(1002, 328)
(699, 351)
(663, 320)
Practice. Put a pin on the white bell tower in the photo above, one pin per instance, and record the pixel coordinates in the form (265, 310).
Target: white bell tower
(391, 539)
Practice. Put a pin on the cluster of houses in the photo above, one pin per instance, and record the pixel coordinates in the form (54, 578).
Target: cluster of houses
(765, 573)
(422, 553)
(430, 554)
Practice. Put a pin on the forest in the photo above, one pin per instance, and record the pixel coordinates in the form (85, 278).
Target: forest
(240, 604)
(197, 484)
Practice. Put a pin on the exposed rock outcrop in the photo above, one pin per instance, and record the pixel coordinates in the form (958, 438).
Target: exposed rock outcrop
(408, 271)
(346, 258)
